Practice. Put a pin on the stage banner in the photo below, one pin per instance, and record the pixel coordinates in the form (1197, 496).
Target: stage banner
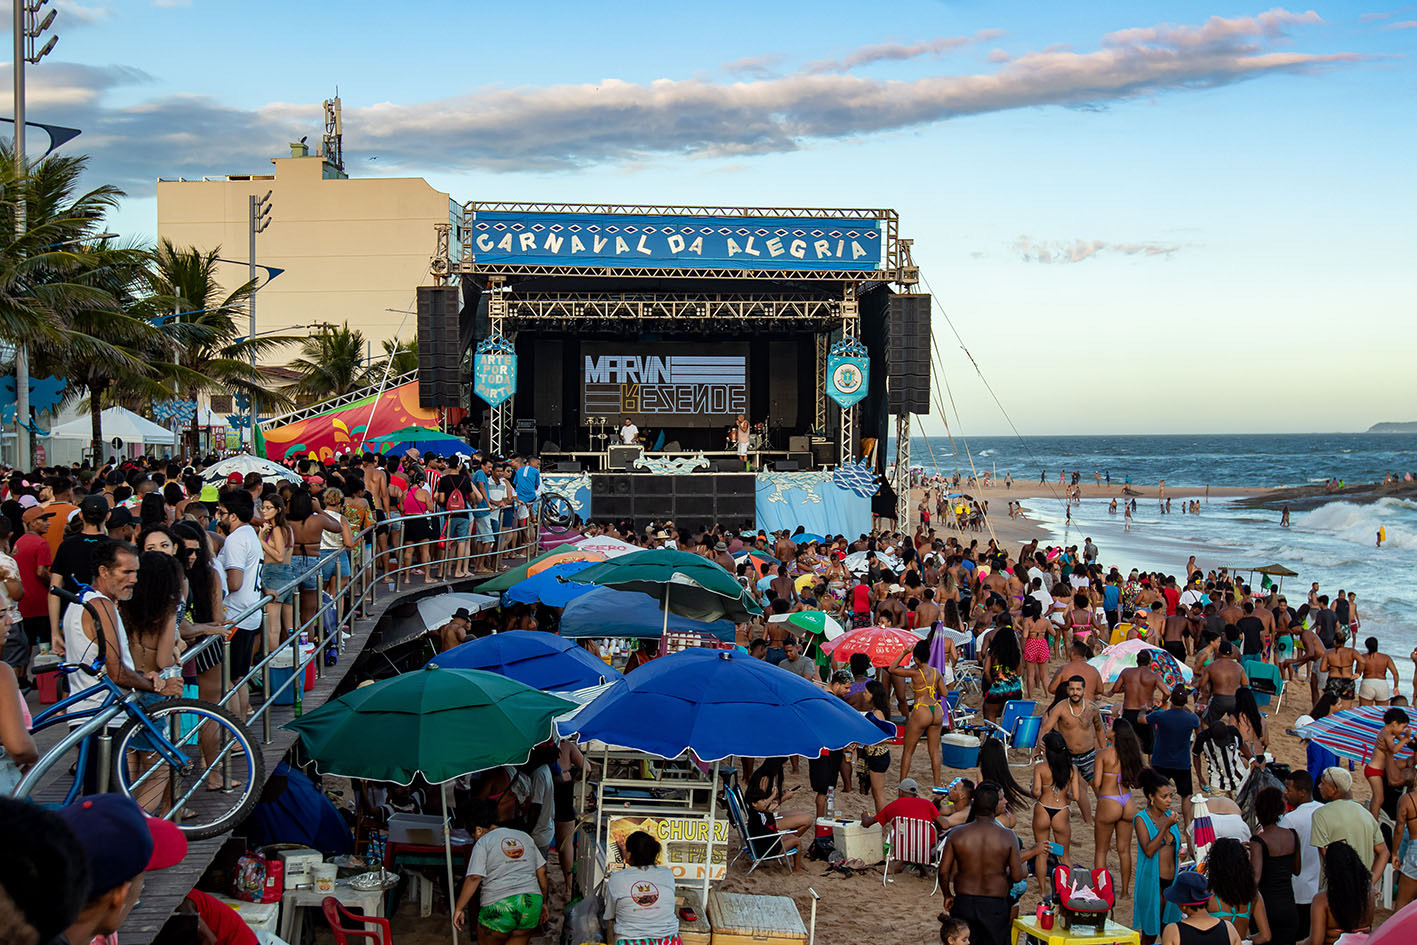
(344, 429)
(664, 384)
(494, 371)
(535, 238)
(848, 373)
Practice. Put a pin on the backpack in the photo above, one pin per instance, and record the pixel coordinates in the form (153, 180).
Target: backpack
(457, 501)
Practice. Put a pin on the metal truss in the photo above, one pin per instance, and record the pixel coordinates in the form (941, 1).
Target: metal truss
(583, 311)
(343, 400)
(819, 413)
(467, 266)
(499, 421)
(902, 472)
(850, 331)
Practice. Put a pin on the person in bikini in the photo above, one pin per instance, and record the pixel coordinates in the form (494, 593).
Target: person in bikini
(927, 716)
(1056, 784)
(1383, 771)
(1081, 621)
(1035, 645)
(1080, 724)
(1406, 826)
(1117, 773)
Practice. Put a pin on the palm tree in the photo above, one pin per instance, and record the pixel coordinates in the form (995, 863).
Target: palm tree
(44, 282)
(400, 357)
(205, 325)
(331, 363)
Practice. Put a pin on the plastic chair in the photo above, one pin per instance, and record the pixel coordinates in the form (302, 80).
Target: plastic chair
(334, 912)
(914, 840)
(775, 849)
(1025, 735)
(1260, 670)
(1014, 711)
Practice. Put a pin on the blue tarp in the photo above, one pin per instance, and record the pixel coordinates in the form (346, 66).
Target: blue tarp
(297, 814)
(606, 612)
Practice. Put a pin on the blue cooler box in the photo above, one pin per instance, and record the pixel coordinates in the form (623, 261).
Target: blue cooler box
(957, 750)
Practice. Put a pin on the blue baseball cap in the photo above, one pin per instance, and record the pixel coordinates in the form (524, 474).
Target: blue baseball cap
(120, 840)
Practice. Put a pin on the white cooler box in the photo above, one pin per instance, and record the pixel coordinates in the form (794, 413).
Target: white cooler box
(258, 916)
(423, 829)
(858, 842)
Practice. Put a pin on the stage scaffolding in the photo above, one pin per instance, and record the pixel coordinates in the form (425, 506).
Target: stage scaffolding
(755, 300)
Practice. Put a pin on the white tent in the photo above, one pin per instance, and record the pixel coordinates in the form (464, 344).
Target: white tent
(66, 441)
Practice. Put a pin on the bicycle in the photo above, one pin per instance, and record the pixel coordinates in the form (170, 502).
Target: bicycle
(156, 755)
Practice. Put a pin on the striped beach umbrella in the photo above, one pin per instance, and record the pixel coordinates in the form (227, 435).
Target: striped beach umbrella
(1202, 830)
(1352, 733)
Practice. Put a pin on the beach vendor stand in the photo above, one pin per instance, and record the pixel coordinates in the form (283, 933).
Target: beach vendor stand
(691, 710)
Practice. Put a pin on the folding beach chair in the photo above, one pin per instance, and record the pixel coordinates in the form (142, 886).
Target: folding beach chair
(914, 840)
(1265, 681)
(1017, 727)
(773, 849)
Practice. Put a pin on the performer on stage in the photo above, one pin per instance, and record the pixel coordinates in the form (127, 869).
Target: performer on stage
(628, 432)
(741, 437)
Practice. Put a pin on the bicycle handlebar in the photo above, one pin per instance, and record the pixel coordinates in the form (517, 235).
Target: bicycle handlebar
(70, 597)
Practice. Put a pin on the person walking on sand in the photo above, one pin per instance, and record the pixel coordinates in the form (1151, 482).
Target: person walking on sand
(1374, 689)
(979, 866)
(1117, 774)
(1138, 685)
(1056, 785)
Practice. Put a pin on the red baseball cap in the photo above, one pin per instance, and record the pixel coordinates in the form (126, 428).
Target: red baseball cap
(235, 479)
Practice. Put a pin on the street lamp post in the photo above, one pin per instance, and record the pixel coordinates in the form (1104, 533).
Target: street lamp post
(260, 219)
(26, 30)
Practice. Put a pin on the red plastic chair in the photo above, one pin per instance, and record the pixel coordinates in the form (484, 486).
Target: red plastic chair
(334, 911)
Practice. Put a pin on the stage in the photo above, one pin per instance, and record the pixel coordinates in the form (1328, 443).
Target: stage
(684, 331)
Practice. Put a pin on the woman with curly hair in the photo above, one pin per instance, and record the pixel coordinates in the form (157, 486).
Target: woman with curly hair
(1234, 894)
(1347, 904)
(1001, 670)
(1114, 777)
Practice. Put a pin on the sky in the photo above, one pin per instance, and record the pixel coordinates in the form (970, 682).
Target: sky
(1133, 217)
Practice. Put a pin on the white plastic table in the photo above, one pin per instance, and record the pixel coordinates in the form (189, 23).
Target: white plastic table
(295, 901)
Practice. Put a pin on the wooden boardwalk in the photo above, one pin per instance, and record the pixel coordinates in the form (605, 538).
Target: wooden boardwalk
(163, 891)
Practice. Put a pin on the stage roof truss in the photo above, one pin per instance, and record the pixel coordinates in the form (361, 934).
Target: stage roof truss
(583, 311)
(897, 266)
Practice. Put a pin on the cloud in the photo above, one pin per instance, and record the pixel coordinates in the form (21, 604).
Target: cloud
(611, 121)
(1370, 17)
(755, 67)
(172, 3)
(1401, 25)
(1075, 251)
(1000, 55)
(898, 52)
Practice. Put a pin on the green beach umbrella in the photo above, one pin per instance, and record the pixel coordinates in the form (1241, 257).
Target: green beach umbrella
(811, 621)
(505, 580)
(440, 723)
(686, 584)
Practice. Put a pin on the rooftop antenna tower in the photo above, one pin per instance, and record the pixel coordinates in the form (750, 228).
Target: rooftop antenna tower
(334, 134)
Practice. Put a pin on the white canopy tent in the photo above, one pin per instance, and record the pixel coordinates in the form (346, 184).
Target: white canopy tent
(67, 441)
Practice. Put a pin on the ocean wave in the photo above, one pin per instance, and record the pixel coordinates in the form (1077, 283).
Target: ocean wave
(1359, 524)
(988, 452)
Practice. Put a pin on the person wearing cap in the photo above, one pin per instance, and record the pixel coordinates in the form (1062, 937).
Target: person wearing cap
(454, 631)
(32, 560)
(908, 804)
(1190, 893)
(44, 876)
(1342, 818)
(235, 480)
(73, 563)
(121, 524)
(121, 844)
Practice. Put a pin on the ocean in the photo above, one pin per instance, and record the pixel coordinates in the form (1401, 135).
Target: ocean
(1333, 544)
(1182, 460)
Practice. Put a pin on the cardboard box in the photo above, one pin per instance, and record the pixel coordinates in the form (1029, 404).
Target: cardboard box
(299, 864)
(424, 829)
(741, 919)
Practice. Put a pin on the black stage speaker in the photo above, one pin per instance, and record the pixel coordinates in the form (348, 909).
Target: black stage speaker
(439, 347)
(802, 458)
(782, 385)
(622, 456)
(824, 453)
(695, 500)
(786, 465)
(547, 403)
(569, 465)
(908, 355)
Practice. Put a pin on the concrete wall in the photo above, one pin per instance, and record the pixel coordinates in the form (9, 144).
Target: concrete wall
(350, 248)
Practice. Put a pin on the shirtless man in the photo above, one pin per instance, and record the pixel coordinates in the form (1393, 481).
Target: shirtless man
(1138, 685)
(1374, 689)
(454, 631)
(1081, 726)
(893, 605)
(979, 866)
(785, 549)
(1383, 769)
(928, 612)
(1077, 666)
(782, 585)
(1219, 681)
(1314, 651)
(1341, 663)
(1230, 611)
(1173, 634)
(376, 481)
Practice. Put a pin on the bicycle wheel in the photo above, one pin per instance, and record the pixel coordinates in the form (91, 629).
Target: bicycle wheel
(210, 740)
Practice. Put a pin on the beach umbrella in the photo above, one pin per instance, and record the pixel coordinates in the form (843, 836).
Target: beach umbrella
(1202, 830)
(761, 565)
(423, 439)
(1351, 733)
(856, 561)
(719, 704)
(558, 539)
(605, 612)
(806, 538)
(549, 586)
(607, 546)
(438, 723)
(430, 613)
(1400, 928)
(881, 644)
(516, 575)
(562, 556)
(811, 621)
(246, 463)
(685, 584)
(754, 552)
(540, 660)
(1111, 661)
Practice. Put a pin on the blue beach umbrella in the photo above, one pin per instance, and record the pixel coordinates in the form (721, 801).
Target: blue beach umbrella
(806, 537)
(548, 587)
(538, 659)
(718, 704)
(606, 612)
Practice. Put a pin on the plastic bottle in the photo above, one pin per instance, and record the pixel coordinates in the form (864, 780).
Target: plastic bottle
(831, 802)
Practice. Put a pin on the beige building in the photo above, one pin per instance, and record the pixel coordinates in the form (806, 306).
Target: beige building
(351, 248)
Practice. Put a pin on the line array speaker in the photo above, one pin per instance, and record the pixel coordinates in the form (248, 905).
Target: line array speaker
(908, 354)
(693, 501)
(439, 347)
